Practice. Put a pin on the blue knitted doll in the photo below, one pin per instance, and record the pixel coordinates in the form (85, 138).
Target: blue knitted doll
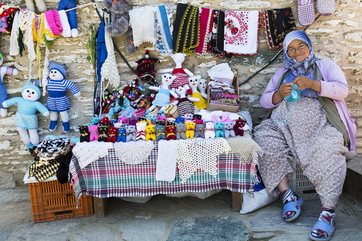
(72, 14)
(25, 118)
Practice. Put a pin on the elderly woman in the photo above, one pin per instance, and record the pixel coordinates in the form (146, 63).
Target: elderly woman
(315, 130)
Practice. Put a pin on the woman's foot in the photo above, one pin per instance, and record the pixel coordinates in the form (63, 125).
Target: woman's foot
(292, 203)
(324, 227)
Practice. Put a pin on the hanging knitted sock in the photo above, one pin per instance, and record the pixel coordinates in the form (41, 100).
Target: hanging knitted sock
(289, 196)
(327, 215)
(326, 7)
(306, 12)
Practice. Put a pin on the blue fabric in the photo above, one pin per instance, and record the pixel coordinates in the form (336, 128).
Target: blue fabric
(166, 30)
(26, 121)
(61, 68)
(3, 93)
(101, 50)
(72, 14)
(162, 98)
(57, 101)
(307, 92)
(297, 68)
(26, 107)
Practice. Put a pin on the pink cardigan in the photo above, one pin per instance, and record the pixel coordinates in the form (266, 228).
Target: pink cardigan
(334, 86)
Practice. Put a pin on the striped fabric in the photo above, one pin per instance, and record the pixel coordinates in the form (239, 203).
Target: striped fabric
(110, 177)
(57, 101)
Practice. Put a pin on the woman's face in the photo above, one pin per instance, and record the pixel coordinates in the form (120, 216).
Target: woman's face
(298, 50)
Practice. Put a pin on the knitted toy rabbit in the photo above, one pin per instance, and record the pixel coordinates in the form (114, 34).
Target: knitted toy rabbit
(180, 131)
(190, 130)
(131, 133)
(209, 130)
(160, 132)
(112, 134)
(219, 129)
(229, 129)
(194, 83)
(84, 134)
(199, 131)
(170, 132)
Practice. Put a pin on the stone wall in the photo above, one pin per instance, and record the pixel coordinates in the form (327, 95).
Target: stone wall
(336, 37)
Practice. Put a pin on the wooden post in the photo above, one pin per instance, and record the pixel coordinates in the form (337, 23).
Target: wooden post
(237, 201)
(100, 205)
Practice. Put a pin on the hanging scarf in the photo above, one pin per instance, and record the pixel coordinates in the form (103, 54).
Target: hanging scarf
(241, 32)
(142, 21)
(217, 34)
(14, 47)
(298, 68)
(277, 24)
(206, 20)
(164, 23)
(186, 29)
(53, 21)
(48, 21)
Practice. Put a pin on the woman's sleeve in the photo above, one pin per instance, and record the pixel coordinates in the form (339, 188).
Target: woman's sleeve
(266, 99)
(334, 85)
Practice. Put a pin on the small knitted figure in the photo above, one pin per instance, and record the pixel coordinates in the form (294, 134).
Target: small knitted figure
(209, 130)
(84, 134)
(161, 122)
(199, 131)
(131, 133)
(146, 67)
(133, 121)
(229, 129)
(202, 87)
(150, 132)
(152, 117)
(112, 134)
(93, 130)
(160, 132)
(219, 129)
(197, 121)
(194, 83)
(105, 121)
(239, 127)
(141, 130)
(180, 119)
(103, 133)
(123, 120)
(170, 132)
(180, 131)
(161, 117)
(190, 130)
(184, 104)
(122, 134)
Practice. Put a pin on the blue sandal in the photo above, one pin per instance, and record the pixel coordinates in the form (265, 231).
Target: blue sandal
(292, 207)
(325, 227)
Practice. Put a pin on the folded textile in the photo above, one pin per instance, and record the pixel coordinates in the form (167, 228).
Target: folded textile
(166, 160)
(133, 152)
(221, 71)
(245, 148)
(88, 152)
(50, 149)
(142, 21)
(206, 23)
(164, 23)
(217, 34)
(241, 32)
(277, 23)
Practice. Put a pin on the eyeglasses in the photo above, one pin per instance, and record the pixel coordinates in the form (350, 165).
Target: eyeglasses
(301, 48)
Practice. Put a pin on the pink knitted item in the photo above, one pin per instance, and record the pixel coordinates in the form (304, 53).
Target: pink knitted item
(306, 12)
(326, 7)
(54, 22)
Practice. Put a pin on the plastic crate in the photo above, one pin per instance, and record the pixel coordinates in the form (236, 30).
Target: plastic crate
(301, 184)
(54, 201)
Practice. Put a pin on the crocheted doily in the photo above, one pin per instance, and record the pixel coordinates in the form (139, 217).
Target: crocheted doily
(133, 152)
(194, 154)
(245, 147)
(88, 152)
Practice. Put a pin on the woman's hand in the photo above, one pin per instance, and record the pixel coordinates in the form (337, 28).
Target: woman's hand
(304, 82)
(285, 90)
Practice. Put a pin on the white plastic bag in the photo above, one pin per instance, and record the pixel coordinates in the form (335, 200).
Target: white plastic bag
(255, 200)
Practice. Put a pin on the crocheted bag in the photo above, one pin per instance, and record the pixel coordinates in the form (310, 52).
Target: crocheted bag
(42, 170)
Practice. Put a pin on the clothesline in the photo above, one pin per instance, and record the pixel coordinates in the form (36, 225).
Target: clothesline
(82, 6)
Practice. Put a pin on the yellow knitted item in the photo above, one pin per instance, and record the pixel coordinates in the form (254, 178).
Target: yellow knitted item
(150, 132)
(34, 29)
(202, 104)
(41, 29)
(190, 129)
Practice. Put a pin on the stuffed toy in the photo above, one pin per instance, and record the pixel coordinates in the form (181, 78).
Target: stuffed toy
(93, 130)
(170, 132)
(161, 117)
(25, 119)
(180, 119)
(112, 134)
(3, 94)
(229, 129)
(152, 117)
(209, 130)
(180, 131)
(199, 131)
(123, 120)
(39, 3)
(197, 121)
(133, 91)
(190, 130)
(131, 133)
(184, 104)
(163, 95)
(95, 120)
(103, 133)
(198, 117)
(57, 101)
(239, 127)
(72, 16)
(160, 122)
(133, 121)
(84, 134)
(226, 118)
(146, 68)
(202, 87)
(219, 129)
(105, 121)
(141, 130)
(171, 121)
(194, 83)
(160, 132)
(150, 132)
(188, 116)
(122, 135)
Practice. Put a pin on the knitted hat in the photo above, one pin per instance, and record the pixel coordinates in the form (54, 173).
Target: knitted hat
(30, 85)
(61, 68)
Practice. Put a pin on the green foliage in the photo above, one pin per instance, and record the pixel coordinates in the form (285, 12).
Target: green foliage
(47, 43)
(91, 45)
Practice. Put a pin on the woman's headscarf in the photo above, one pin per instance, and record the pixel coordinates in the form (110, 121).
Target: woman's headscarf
(289, 62)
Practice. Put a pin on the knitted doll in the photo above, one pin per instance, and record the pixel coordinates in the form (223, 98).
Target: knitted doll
(122, 135)
(197, 121)
(229, 129)
(160, 122)
(131, 133)
(123, 120)
(184, 104)
(133, 121)
(194, 83)
(219, 129)
(160, 132)
(72, 15)
(179, 119)
(239, 127)
(141, 130)
(170, 132)
(93, 130)
(25, 119)
(103, 133)
(209, 130)
(39, 3)
(57, 101)
(152, 117)
(105, 121)
(84, 134)
(150, 132)
(3, 94)
(190, 130)
(180, 131)
(202, 87)
(133, 90)
(112, 134)
(163, 95)
(146, 67)
(199, 131)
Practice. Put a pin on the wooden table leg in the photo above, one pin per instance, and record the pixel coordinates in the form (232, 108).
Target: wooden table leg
(100, 206)
(237, 201)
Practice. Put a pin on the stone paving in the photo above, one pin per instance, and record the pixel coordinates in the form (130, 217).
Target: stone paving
(164, 218)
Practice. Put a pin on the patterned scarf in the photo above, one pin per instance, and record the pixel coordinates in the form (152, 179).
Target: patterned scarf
(164, 26)
(206, 20)
(217, 34)
(289, 62)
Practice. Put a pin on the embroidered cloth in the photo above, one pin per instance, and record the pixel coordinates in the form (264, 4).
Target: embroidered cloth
(142, 21)
(88, 152)
(217, 34)
(241, 32)
(277, 23)
(206, 24)
(164, 24)
(133, 152)
(195, 154)
(245, 148)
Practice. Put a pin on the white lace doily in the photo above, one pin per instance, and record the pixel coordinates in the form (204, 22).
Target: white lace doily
(88, 152)
(245, 147)
(194, 154)
(133, 152)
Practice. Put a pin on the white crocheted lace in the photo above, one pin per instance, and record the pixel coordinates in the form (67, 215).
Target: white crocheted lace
(14, 47)
(88, 152)
(245, 147)
(133, 152)
(143, 28)
(194, 154)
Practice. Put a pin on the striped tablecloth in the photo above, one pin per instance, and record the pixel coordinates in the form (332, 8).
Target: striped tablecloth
(110, 177)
